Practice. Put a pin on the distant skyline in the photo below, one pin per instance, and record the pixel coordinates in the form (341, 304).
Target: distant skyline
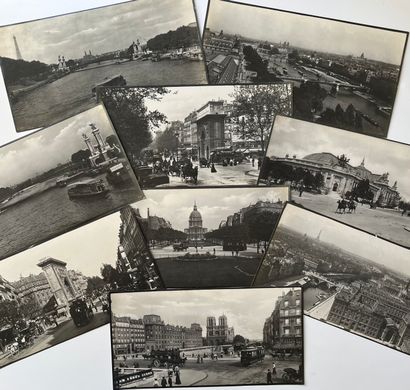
(214, 204)
(45, 149)
(184, 308)
(311, 33)
(346, 238)
(99, 244)
(100, 30)
(380, 155)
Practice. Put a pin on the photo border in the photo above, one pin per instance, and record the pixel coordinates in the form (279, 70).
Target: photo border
(83, 223)
(351, 227)
(302, 315)
(240, 3)
(35, 129)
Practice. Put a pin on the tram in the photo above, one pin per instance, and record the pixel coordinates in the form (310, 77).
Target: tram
(251, 355)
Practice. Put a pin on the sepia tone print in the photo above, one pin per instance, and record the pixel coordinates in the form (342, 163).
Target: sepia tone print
(52, 67)
(344, 74)
(207, 338)
(351, 279)
(196, 135)
(357, 179)
(59, 289)
(61, 177)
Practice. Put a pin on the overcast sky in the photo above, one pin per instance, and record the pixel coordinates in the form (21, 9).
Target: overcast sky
(84, 249)
(100, 30)
(348, 239)
(380, 155)
(214, 204)
(46, 148)
(181, 101)
(306, 32)
(194, 306)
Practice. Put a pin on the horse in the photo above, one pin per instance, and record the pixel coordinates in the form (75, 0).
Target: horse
(341, 206)
(352, 207)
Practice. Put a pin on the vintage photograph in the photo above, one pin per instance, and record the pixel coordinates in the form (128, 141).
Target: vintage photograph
(360, 180)
(208, 237)
(344, 74)
(196, 135)
(351, 279)
(207, 337)
(52, 67)
(60, 177)
(58, 290)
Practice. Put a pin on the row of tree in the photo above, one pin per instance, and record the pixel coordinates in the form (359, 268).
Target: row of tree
(182, 37)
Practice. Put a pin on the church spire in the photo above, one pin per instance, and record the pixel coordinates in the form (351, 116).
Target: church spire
(362, 164)
(195, 208)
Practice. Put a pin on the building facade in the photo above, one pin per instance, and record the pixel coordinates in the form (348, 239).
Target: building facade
(210, 122)
(35, 291)
(128, 335)
(282, 331)
(219, 333)
(7, 290)
(161, 336)
(195, 232)
(341, 177)
(133, 256)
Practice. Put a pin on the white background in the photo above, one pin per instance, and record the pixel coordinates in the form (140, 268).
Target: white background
(334, 359)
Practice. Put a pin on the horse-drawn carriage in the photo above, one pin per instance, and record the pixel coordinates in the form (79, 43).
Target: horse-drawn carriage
(165, 358)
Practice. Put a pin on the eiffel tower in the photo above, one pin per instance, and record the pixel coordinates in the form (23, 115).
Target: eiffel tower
(18, 53)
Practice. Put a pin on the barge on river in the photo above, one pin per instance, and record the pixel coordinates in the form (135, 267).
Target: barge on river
(92, 188)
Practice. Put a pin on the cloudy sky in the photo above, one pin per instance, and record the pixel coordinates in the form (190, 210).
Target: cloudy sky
(214, 204)
(347, 238)
(46, 148)
(100, 30)
(187, 307)
(380, 155)
(181, 101)
(306, 32)
(99, 243)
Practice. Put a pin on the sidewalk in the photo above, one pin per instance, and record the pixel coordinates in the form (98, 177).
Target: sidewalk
(188, 378)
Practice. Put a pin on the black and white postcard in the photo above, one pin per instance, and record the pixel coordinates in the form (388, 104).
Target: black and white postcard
(350, 278)
(209, 237)
(344, 74)
(52, 67)
(59, 289)
(60, 177)
(360, 180)
(196, 135)
(221, 337)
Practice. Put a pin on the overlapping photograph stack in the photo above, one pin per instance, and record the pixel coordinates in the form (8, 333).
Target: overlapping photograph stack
(169, 208)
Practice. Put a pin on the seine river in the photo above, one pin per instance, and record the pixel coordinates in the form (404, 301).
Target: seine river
(72, 94)
(51, 213)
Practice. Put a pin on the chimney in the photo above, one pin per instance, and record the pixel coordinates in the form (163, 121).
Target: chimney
(148, 212)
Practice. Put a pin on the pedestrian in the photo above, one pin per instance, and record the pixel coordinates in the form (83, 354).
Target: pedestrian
(156, 383)
(170, 381)
(163, 382)
(213, 169)
(214, 251)
(177, 378)
(202, 359)
(269, 378)
(253, 161)
(273, 369)
(259, 163)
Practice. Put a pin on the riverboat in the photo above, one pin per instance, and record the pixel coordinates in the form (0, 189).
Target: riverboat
(91, 188)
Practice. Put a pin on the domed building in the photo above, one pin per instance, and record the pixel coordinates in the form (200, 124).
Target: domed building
(195, 230)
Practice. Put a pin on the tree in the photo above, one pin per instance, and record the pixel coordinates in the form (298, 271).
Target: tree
(81, 157)
(168, 139)
(238, 342)
(9, 313)
(256, 107)
(255, 63)
(261, 225)
(181, 37)
(308, 100)
(94, 283)
(113, 277)
(131, 117)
